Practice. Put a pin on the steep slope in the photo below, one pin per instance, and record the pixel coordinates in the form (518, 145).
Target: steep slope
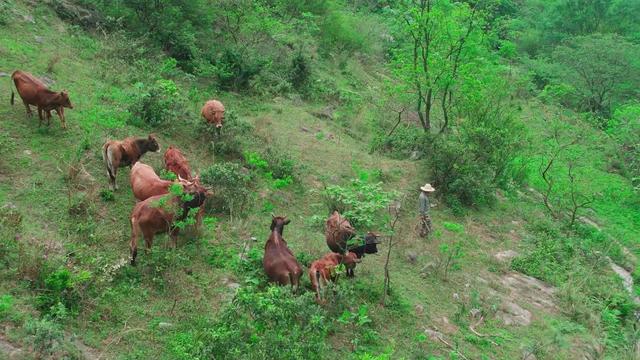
(445, 302)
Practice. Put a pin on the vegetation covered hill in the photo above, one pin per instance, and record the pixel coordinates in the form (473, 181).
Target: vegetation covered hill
(523, 115)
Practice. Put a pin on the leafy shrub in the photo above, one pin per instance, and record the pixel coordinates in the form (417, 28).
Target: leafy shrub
(48, 336)
(400, 144)
(471, 162)
(230, 186)
(235, 69)
(107, 195)
(154, 105)
(6, 305)
(300, 72)
(361, 202)
(263, 324)
(63, 287)
(274, 166)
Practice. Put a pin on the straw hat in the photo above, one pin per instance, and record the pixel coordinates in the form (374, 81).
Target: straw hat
(428, 188)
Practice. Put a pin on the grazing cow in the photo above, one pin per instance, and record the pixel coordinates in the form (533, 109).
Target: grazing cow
(279, 263)
(127, 152)
(213, 113)
(35, 92)
(156, 215)
(175, 162)
(145, 183)
(337, 232)
(322, 270)
(368, 246)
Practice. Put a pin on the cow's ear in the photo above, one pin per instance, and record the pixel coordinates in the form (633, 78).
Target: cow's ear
(287, 221)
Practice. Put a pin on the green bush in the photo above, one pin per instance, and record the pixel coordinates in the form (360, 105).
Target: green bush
(230, 187)
(472, 161)
(62, 287)
(6, 305)
(361, 202)
(154, 105)
(259, 325)
(48, 336)
(401, 143)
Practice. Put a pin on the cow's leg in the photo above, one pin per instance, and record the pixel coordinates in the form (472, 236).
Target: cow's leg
(48, 114)
(60, 112)
(40, 118)
(173, 234)
(134, 241)
(199, 217)
(112, 178)
(29, 112)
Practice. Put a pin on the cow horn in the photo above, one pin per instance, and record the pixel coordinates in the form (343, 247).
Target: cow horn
(273, 216)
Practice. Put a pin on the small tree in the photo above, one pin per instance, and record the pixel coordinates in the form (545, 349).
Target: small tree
(601, 69)
(564, 195)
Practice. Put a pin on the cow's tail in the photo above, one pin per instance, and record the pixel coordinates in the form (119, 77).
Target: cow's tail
(133, 245)
(108, 160)
(318, 282)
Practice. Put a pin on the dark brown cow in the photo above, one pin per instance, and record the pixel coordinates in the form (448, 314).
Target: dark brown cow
(338, 232)
(35, 92)
(279, 263)
(127, 152)
(322, 270)
(213, 113)
(156, 215)
(175, 162)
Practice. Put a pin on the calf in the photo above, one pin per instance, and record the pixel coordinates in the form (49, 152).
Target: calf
(337, 232)
(156, 215)
(127, 152)
(213, 113)
(322, 270)
(279, 263)
(35, 92)
(175, 162)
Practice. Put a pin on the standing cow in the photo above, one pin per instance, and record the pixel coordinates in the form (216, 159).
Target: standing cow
(322, 270)
(177, 163)
(35, 92)
(338, 231)
(127, 152)
(213, 113)
(279, 263)
(158, 214)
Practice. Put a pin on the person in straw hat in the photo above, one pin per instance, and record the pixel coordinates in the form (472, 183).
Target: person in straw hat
(425, 218)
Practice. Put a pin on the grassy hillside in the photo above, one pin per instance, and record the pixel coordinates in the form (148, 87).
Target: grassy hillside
(67, 290)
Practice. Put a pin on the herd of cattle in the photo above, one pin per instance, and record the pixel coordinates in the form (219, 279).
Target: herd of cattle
(148, 218)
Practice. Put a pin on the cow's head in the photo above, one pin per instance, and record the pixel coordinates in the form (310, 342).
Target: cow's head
(152, 143)
(278, 222)
(218, 120)
(64, 99)
(370, 245)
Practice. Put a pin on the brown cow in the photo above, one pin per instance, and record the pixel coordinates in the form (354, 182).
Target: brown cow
(156, 215)
(35, 92)
(279, 263)
(338, 232)
(127, 152)
(213, 113)
(145, 183)
(322, 270)
(175, 162)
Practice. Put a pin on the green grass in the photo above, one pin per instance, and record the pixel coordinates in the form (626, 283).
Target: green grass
(120, 311)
